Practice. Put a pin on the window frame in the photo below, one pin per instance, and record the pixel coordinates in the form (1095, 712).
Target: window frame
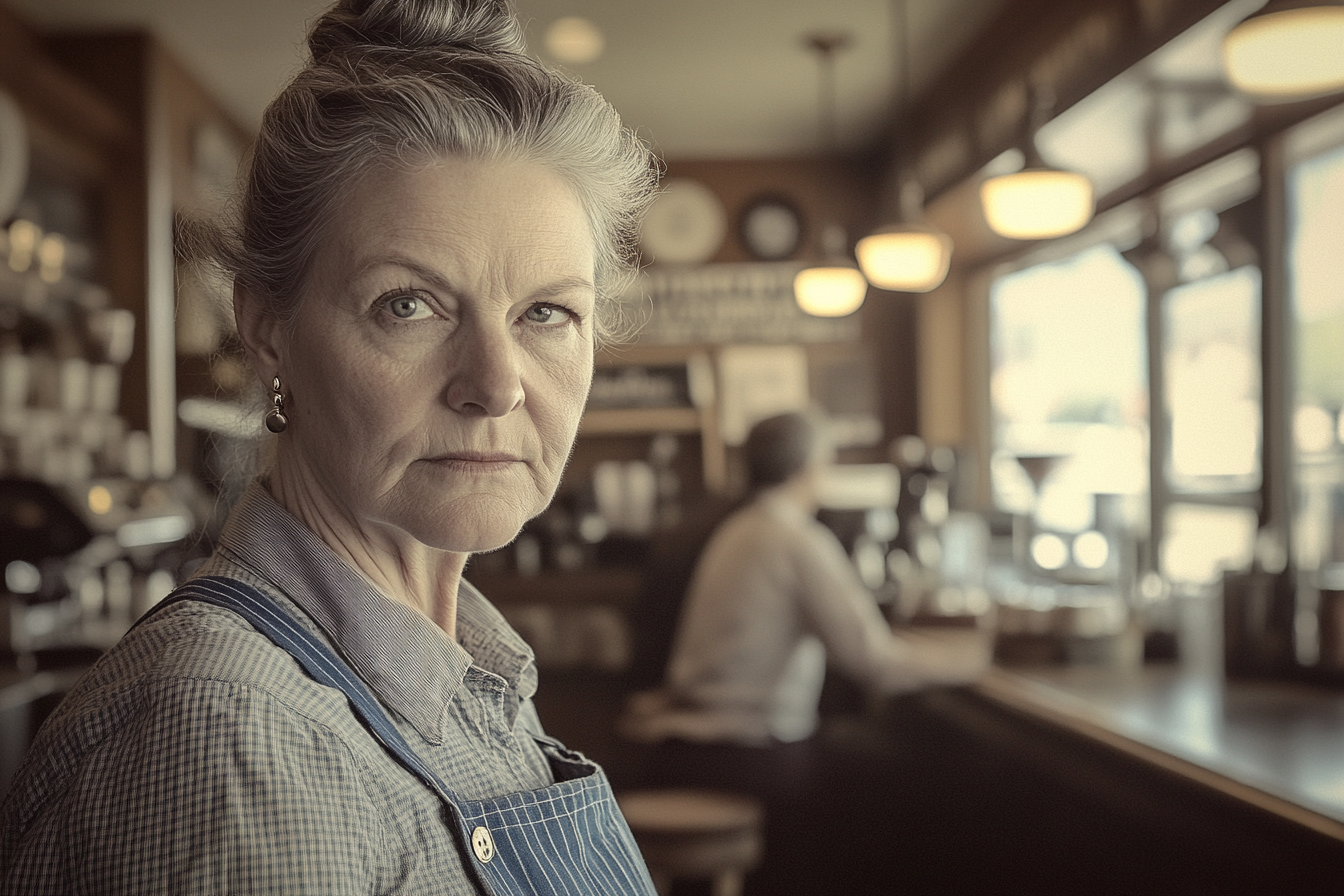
(1123, 226)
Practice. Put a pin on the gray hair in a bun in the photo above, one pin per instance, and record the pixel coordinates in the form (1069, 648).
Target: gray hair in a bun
(398, 82)
(488, 26)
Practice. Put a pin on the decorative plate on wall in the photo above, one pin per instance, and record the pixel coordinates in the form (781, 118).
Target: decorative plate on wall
(772, 228)
(685, 225)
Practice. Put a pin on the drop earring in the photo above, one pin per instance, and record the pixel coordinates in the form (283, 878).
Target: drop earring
(276, 421)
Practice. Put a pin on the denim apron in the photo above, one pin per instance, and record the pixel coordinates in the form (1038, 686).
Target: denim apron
(568, 838)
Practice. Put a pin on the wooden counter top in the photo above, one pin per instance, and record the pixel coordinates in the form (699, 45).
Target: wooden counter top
(1275, 745)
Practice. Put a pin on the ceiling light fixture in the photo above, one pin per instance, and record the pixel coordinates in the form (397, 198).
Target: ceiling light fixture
(908, 255)
(1039, 202)
(574, 41)
(835, 286)
(905, 257)
(1290, 50)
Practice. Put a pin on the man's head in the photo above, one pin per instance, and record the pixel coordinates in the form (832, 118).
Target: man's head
(780, 447)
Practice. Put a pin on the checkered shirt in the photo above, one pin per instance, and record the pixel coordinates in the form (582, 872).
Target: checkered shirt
(197, 757)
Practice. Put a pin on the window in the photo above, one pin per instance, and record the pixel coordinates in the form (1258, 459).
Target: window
(1212, 380)
(1315, 193)
(1068, 387)
(1133, 362)
(1073, 402)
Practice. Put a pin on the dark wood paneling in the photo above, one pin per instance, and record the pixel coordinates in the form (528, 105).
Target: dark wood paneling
(50, 93)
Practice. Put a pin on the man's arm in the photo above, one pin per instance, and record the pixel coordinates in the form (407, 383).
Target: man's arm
(859, 641)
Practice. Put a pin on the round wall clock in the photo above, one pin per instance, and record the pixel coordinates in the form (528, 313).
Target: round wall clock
(685, 225)
(772, 228)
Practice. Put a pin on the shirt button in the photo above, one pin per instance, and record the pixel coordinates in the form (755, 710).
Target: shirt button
(483, 844)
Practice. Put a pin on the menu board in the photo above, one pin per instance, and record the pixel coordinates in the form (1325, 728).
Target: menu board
(641, 386)
(759, 381)
(728, 303)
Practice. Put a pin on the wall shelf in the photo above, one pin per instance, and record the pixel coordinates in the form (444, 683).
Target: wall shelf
(634, 421)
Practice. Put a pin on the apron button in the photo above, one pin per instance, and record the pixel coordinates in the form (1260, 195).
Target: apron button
(483, 844)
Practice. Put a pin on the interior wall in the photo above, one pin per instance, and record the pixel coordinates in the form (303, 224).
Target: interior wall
(840, 191)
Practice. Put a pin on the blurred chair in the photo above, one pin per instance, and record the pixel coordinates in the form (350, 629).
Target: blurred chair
(667, 575)
(696, 834)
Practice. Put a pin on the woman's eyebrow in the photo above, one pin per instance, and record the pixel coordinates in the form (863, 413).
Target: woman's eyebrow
(562, 286)
(407, 263)
(557, 287)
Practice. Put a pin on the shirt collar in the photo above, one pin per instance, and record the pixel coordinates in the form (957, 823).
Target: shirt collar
(405, 659)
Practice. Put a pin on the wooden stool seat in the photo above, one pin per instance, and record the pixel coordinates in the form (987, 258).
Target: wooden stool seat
(696, 834)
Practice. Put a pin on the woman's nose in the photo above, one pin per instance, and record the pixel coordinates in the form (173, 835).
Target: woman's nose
(486, 374)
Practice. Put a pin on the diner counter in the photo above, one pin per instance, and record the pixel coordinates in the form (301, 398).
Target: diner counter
(1276, 746)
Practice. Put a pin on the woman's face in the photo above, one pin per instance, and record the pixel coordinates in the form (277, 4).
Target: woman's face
(440, 361)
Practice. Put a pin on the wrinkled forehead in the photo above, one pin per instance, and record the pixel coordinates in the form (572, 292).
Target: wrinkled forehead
(516, 214)
(452, 175)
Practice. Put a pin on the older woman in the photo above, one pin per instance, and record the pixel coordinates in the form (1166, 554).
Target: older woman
(431, 226)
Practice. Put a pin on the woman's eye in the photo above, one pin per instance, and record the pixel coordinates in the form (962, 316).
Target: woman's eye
(407, 307)
(549, 315)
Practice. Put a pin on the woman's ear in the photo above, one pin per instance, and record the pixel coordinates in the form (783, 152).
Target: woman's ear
(261, 333)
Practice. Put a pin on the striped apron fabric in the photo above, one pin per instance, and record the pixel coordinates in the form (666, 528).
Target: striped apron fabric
(568, 838)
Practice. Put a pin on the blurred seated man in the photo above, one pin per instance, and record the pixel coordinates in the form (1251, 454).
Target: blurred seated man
(773, 598)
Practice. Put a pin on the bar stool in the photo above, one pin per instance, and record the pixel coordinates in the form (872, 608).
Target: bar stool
(696, 834)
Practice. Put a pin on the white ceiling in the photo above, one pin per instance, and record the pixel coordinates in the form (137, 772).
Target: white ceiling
(697, 78)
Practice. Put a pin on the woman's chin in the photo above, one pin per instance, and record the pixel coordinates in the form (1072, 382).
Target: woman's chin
(471, 539)
(494, 544)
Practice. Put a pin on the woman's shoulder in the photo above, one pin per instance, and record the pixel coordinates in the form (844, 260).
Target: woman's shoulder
(193, 640)
(192, 688)
(195, 659)
(191, 711)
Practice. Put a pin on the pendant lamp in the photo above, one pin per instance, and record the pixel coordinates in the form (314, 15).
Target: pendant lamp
(1290, 50)
(835, 286)
(1038, 202)
(907, 255)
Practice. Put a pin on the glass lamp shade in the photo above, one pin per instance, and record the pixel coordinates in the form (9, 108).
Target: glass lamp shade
(905, 257)
(1287, 54)
(574, 41)
(1036, 204)
(832, 290)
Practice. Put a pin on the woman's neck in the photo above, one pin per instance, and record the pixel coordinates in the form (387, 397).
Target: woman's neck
(393, 562)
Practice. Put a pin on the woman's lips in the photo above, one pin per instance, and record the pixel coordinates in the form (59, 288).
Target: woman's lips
(475, 460)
